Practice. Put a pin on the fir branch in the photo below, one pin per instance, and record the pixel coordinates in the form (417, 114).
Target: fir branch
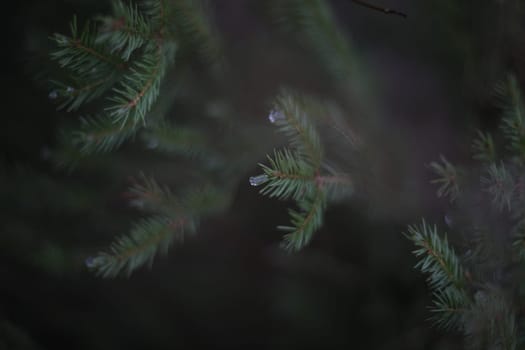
(139, 88)
(335, 186)
(288, 176)
(483, 148)
(101, 134)
(438, 259)
(519, 240)
(192, 23)
(145, 241)
(446, 276)
(304, 222)
(166, 137)
(314, 22)
(81, 54)
(291, 119)
(500, 184)
(447, 178)
(149, 196)
(125, 31)
(73, 96)
(158, 13)
(175, 218)
(449, 308)
(491, 321)
(513, 121)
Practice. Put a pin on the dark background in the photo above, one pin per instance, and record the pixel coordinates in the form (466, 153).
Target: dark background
(231, 285)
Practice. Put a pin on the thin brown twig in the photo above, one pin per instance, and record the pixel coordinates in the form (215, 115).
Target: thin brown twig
(385, 10)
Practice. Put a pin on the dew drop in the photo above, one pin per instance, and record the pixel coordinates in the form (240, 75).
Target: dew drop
(90, 262)
(152, 144)
(53, 95)
(275, 116)
(258, 180)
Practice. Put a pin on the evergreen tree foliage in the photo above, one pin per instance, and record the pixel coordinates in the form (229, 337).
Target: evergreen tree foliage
(117, 63)
(300, 171)
(474, 292)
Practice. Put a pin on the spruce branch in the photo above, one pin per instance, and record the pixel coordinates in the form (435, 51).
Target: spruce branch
(446, 276)
(174, 139)
(449, 308)
(513, 120)
(192, 23)
(499, 182)
(304, 222)
(483, 148)
(175, 217)
(291, 118)
(447, 179)
(147, 238)
(491, 321)
(100, 134)
(299, 172)
(146, 194)
(73, 96)
(438, 259)
(315, 22)
(81, 54)
(288, 176)
(139, 88)
(125, 31)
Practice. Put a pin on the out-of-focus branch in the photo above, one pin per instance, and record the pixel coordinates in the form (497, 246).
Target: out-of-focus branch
(385, 10)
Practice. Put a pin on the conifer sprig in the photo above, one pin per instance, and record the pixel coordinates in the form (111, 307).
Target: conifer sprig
(483, 148)
(81, 54)
(288, 176)
(438, 259)
(484, 306)
(192, 22)
(314, 21)
(100, 134)
(289, 115)
(173, 218)
(125, 31)
(513, 120)
(147, 238)
(124, 60)
(298, 172)
(447, 179)
(176, 139)
(500, 184)
(304, 222)
(138, 89)
(446, 276)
